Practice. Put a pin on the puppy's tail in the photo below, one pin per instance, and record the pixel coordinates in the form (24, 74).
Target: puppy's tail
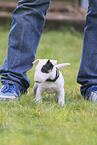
(62, 64)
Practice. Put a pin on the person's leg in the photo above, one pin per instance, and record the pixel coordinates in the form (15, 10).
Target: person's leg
(27, 25)
(87, 75)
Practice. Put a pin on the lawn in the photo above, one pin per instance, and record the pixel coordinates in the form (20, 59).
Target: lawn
(25, 122)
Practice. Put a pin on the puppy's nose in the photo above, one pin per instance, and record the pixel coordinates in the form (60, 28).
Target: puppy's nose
(37, 80)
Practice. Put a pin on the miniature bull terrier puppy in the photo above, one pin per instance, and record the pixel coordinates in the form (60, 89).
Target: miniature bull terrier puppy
(48, 78)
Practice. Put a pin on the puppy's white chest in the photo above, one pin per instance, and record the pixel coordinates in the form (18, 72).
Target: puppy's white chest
(49, 87)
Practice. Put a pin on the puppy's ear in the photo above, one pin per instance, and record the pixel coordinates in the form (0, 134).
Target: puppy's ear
(35, 61)
(54, 62)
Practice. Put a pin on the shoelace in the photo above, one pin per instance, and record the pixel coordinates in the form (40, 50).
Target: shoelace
(7, 88)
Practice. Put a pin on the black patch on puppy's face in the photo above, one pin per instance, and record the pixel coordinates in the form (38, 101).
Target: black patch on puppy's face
(47, 67)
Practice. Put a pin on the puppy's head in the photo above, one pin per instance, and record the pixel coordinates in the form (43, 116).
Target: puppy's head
(44, 69)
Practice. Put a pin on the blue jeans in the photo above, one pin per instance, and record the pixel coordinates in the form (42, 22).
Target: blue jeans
(27, 25)
(87, 75)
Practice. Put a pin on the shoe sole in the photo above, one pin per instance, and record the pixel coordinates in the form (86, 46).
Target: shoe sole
(7, 98)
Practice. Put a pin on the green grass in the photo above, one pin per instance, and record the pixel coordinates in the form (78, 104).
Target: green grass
(25, 122)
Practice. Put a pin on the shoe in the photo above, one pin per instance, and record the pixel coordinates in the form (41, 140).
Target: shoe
(9, 92)
(91, 94)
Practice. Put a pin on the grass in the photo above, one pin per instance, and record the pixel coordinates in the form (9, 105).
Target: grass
(25, 122)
